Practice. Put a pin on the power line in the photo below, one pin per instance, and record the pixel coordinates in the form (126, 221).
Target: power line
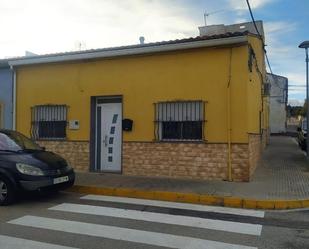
(266, 56)
(252, 17)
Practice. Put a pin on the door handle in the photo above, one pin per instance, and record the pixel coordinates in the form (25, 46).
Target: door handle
(105, 140)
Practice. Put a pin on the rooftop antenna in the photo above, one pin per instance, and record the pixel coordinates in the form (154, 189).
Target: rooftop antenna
(206, 14)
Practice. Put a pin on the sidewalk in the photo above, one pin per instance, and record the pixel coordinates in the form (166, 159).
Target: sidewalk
(281, 181)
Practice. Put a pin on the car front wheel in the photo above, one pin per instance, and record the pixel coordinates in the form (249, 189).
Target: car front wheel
(7, 193)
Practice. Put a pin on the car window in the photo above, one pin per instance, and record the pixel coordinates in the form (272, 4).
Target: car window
(15, 141)
(6, 143)
(27, 143)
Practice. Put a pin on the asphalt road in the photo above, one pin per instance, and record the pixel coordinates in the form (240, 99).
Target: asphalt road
(68, 220)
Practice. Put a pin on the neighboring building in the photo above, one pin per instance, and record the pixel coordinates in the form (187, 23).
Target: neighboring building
(190, 108)
(278, 103)
(6, 95)
(239, 27)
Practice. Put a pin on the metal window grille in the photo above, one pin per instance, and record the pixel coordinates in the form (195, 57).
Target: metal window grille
(179, 120)
(48, 121)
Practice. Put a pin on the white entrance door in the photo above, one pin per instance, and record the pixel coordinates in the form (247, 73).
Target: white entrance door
(110, 136)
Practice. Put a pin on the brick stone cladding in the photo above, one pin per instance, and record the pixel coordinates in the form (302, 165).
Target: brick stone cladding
(255, 147)
(173, 160)
(185, 160)
(75, 152)
(265, 137)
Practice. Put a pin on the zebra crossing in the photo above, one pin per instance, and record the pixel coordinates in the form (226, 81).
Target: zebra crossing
(92, 218)
(8, 242)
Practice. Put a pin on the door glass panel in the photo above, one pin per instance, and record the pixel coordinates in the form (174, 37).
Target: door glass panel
(115, 118)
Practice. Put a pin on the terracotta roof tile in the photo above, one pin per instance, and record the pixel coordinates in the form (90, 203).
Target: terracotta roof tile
(170, 42)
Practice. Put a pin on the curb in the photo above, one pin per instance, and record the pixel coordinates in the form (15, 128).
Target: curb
(235, 202)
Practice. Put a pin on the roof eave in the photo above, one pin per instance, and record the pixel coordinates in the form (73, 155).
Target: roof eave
(130, 51)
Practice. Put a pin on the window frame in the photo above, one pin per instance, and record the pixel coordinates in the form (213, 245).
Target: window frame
(61, 112)
(158, 132)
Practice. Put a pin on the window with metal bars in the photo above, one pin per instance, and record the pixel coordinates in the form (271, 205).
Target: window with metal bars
(179, 120)
(48, 122)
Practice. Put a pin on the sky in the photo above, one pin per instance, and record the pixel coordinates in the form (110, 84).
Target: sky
(48, 26)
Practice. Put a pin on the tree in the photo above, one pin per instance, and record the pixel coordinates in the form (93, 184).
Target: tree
(295, 111)
(304, 109)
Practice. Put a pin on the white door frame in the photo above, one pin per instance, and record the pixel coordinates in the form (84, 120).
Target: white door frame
(100, 101)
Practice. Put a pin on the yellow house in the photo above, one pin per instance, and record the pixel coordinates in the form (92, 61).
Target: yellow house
(191, 108)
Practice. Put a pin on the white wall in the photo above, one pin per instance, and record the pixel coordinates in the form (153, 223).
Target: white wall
(278, 102)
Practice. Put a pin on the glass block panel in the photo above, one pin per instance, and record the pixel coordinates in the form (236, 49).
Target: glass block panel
(115, 118)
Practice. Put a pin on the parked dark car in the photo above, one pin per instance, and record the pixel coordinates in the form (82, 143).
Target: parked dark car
(25, 166)
(302, 134)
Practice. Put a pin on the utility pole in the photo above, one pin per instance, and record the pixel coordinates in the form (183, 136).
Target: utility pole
(305, 45)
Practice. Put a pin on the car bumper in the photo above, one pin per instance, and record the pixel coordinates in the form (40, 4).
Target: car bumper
(48, 183)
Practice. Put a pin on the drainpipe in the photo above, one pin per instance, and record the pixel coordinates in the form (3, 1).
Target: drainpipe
(229, 128)
(14, 98)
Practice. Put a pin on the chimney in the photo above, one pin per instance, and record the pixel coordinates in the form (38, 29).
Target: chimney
(142, 40)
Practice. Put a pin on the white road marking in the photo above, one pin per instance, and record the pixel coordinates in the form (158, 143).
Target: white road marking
(195, 207)
(219, 225)
(7, 242)
(124, 234)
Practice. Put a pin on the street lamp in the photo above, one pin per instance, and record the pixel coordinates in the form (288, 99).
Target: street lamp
(305, 45)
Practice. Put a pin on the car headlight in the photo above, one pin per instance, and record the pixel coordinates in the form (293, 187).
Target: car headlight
(68, 168)
(27, 169)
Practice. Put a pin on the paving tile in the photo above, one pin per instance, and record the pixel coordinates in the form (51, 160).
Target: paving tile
(282, 173)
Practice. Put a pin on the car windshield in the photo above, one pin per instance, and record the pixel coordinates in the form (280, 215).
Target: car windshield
(14, 141)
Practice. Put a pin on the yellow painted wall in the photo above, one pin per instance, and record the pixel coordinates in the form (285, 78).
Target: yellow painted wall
(266, 113)
(257, 115)
(199, 74)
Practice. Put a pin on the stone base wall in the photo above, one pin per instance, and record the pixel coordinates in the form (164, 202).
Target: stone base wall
(173, 160)
(255, 150)
(75, 152)
(185, 160)
(265, 138)
(240, 165)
